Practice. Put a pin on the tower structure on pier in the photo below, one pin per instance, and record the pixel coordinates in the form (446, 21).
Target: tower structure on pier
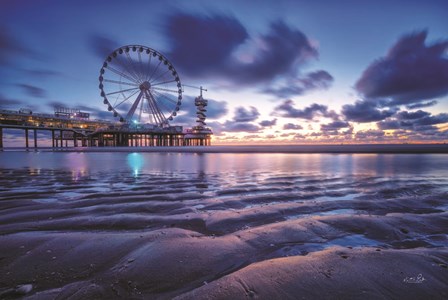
(199, 135)
(200, 104)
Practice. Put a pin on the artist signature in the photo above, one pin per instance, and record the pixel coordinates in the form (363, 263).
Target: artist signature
(418, 279)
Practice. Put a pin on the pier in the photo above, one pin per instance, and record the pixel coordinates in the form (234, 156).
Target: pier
(75, 129)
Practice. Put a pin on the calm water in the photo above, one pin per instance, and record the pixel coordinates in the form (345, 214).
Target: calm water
(135, 164)
(220, 194)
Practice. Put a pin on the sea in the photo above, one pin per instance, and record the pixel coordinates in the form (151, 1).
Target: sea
(143, 225)
(215, 174)
(273, 186)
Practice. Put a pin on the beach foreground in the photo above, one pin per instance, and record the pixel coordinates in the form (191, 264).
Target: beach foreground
(203, 235)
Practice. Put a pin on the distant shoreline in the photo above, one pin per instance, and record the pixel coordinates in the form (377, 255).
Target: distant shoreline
(305, 149)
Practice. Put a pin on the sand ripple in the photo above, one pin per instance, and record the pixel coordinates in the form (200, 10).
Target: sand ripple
(163, 235)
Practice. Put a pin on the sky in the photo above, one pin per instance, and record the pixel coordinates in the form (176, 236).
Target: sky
(276, 72)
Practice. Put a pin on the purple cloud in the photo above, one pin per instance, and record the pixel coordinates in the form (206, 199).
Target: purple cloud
(102, 46)
(411, 72)
(6, 102)
(200, 44)
(287, 110)
(10, 47)
(414, 121)
(369, 134)
(32, 90)
(422, 105)
(246, 115)
(209, 45)
(230, 126)
(215, 109)
(268, 123)
(334, 126)
(365, 111)
(318, 80)
(284, 48)
(405, 115)
(291, 126)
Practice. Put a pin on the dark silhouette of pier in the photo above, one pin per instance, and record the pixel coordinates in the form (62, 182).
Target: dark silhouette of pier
(76, 129)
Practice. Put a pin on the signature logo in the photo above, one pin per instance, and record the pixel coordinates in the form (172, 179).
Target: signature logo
(418, 279)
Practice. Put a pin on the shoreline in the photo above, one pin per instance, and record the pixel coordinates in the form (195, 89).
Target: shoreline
(298, 149)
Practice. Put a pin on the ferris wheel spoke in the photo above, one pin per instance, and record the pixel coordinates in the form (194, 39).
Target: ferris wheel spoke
(122, 74)
(163, 105)
(155, 70)
(149, 67)
(125, 99)
(163, 82)
(158, 77)
(134, 106)
(126, 69)
(165, 90)
(120, 82)
(166, 97)
(132, 66)
(122, 91)
(155, 108)
(151, 110)
(141, 66)
(141, 110)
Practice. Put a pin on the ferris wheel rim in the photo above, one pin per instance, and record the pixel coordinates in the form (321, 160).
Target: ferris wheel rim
(142, 85)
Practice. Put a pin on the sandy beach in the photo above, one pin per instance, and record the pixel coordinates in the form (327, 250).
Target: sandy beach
(265, 235)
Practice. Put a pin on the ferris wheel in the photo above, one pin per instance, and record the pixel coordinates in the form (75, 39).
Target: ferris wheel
(140, 85)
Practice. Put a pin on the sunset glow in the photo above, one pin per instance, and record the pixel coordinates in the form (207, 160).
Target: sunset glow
(277, 72)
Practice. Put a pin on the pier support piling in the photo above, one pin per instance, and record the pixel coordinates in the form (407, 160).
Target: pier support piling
(26, 138)
(35, 138)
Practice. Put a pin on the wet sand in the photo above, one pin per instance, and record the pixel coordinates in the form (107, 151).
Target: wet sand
(239, 236)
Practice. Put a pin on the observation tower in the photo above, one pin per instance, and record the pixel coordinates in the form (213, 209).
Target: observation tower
(199, 135)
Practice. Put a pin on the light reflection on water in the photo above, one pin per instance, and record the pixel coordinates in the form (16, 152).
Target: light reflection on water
(135, 164)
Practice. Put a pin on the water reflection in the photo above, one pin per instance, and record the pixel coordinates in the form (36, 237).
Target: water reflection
(202, 183)
(135, 162)
(389, 165)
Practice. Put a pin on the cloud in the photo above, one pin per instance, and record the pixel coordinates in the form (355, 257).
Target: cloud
(287, 110)
(7, 102)
(102, 46)
(411, 72)
(335, 126)
(282, 50)
(414, 121)
(220, 46)
(268, 123)
(10, 47)
(291, 126)
(365, 111)
(388, 124)
(299, 86)
(369, 134)
(230, 126)
(432, 120)
(32, 90)
(405, 115)
(422, 105)
(95, 112)
(41, 72)
(200, 44)
(246, 115)
(215, 109)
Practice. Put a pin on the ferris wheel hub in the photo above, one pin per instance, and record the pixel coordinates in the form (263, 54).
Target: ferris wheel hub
(145, 86)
